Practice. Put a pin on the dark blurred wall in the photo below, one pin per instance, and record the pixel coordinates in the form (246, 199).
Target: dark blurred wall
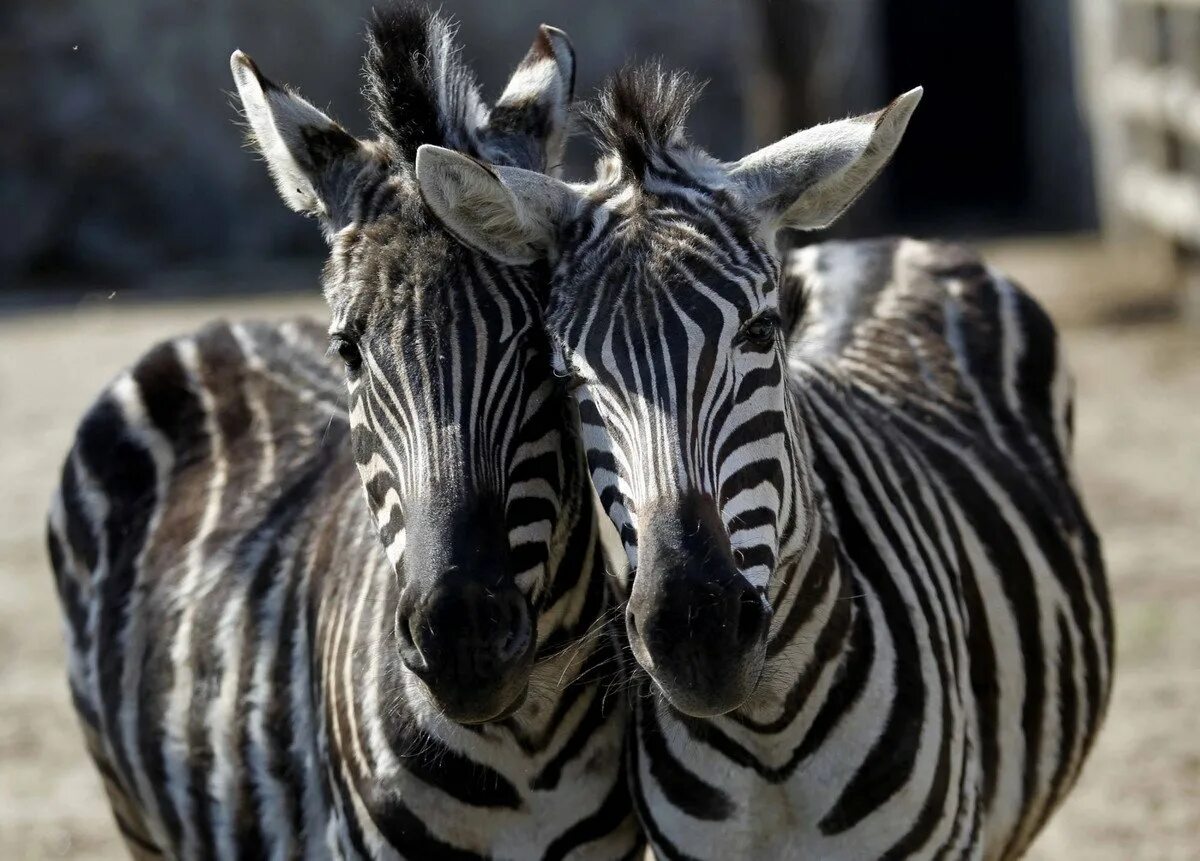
(121, 160)
(121, 157)
(998, 145)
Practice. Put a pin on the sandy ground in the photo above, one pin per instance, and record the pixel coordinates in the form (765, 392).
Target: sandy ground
(1138, 455)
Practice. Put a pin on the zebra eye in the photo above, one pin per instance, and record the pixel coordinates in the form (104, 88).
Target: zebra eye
(759, 330)
(348, 350)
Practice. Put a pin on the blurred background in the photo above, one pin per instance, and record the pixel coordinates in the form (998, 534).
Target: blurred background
(1061, 137)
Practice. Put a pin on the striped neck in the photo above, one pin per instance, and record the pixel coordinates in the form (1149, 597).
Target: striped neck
(813, 628)
(810, 594)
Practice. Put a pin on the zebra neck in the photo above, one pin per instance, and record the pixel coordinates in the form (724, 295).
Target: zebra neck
(815, 614)
(576, 598)
(801, 522)
(575, 538)
(815, 617)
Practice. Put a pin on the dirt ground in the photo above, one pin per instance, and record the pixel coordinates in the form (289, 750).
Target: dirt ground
(1138, 457)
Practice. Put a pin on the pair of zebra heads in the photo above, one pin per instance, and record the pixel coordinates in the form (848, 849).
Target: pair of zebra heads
(864, 616)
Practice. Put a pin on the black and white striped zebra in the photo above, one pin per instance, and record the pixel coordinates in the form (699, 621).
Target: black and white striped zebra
(256, 674)
(865, 590)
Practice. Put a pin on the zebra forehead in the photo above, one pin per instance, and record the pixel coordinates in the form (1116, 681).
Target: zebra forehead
(409, 271)
(650, 299)
(678, 271)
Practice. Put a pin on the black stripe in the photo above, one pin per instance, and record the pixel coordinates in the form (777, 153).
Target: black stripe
(78, 525)
(892, 756)
(814, 583)
(682, 788)
(125, 473)
(69, 592)
(984, 672)
(1068, 709)
(131, 834)
(460, 777)
(406, 832)
(663, 848)
(852, 678)
(614, 812)
(593, 719)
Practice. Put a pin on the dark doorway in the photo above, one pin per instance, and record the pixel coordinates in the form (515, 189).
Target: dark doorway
(965, 166)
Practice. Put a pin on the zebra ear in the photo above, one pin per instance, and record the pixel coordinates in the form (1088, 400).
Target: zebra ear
(808, 179)
(509, 213)
(312, 159)
(528, 124)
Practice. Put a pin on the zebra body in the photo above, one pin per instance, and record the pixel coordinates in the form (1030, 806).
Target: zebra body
(355, 608)
(870, 605)
(941, 652)
(231, 648)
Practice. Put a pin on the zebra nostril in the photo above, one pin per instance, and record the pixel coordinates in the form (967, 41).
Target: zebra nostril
(511, 645)
(751, 617)
(515, 637)
(410, 650)
(634, 633)
(638, 646)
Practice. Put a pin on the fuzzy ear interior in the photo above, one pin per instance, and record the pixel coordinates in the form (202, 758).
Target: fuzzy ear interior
(509, 213)
(312, 159)
(528, 125)
(808, 179)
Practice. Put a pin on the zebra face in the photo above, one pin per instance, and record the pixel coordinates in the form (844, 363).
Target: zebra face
(674, 353)
(458, 430)
(664, 315)
(461, 436)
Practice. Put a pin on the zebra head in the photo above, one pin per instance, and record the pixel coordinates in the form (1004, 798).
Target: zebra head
(664, 312)
(459, 433)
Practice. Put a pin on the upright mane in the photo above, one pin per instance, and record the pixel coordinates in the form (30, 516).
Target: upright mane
(418, 89)
(640, 112)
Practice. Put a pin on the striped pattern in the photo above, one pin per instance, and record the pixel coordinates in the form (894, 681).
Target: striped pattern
(942, 653)
(229, 616)
(656, 424)
(235, 537)
(885, 431)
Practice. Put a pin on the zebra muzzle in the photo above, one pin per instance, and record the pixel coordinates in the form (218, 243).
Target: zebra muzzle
(472, 646)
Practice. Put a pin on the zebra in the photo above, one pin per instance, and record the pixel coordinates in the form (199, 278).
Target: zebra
(341, 594)
(864, 589)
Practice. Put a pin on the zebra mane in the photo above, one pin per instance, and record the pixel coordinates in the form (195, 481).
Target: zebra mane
(418, 89)
(641, 110)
